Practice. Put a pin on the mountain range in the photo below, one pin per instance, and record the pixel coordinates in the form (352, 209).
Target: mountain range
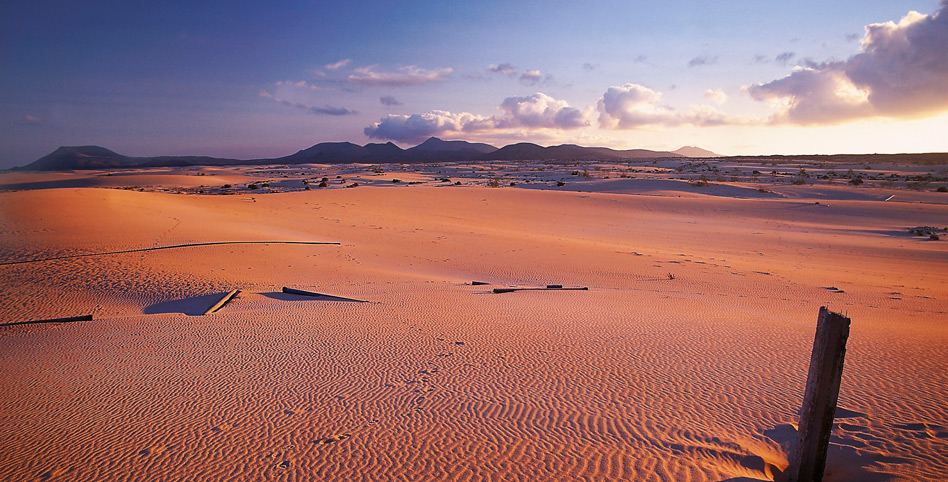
(431, 150)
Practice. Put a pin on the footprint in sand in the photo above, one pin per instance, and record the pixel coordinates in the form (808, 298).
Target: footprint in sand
(332, 439)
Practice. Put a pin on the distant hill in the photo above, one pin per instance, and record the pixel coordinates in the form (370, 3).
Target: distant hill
(527, 151)
(431, 150)
(67, 158)
(691, 151)
(79, 157)
(435, 144)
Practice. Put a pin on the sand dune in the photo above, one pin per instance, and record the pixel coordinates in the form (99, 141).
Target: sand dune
(685, 359)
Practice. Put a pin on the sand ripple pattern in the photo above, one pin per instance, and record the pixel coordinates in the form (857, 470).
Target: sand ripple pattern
(535, 386)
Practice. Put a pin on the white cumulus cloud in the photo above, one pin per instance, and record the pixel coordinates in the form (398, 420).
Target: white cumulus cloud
(418, 127)
(540, 110)
(902, 71)
(535, 113)
(631, 106)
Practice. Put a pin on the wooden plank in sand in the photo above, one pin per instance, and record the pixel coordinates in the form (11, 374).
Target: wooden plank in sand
(819, 399)
(221, 302)
(51, 320)
(547, 288)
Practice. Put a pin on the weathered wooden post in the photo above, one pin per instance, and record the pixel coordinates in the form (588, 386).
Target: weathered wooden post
(222, 301)
(819, 399)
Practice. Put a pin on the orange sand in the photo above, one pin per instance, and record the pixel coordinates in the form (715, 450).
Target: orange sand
(696, 378)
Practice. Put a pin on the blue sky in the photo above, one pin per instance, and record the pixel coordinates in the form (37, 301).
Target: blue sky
(247, 79)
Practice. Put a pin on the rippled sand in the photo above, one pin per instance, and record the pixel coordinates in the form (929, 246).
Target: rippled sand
(685, 359)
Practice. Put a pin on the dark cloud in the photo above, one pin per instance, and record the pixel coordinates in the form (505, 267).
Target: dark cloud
(702, 60)
(902, 71)
(588, 67)
(389, 100)
(318, 110)
(503, 69)
(785, 57)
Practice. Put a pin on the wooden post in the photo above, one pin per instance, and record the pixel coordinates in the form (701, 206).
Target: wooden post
(819, 399)
(220, 303)
(53, 320)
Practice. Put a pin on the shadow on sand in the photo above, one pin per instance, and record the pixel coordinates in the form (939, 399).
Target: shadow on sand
(276, 295)
(195, 306)
(848, 457)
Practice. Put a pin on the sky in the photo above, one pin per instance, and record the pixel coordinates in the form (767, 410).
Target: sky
(254, 79)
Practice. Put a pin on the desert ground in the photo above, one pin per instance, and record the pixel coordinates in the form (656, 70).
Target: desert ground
(685, 360)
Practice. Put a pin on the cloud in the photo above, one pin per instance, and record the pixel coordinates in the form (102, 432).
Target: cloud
(338, 65)
(901, 72)
(404, 76)
(785, 57)
(702, 60)
(32, 120)
(389, 100)
(640, 58)
(531, 77)
(716, 96)
(503, 69)
(588, 67)
(632, 106)
(540, 110)
(418, 127)
(300, 84)
(318, 110)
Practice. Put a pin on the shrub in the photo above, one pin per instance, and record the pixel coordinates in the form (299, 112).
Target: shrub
(942, 189)
(934, 237)
(395, 181)
(323, 184)
(856, 181)
(252, 186)
(560, 183)
(226, 186)
(671, 276)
